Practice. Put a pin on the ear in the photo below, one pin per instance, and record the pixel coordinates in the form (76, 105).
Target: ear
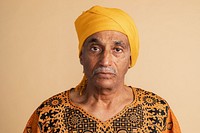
(81, 58)
(130, 63)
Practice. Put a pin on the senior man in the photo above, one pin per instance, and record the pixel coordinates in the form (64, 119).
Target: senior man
(102, 103)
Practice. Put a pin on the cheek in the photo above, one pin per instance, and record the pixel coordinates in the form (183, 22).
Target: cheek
(88, 64)
(124, 64)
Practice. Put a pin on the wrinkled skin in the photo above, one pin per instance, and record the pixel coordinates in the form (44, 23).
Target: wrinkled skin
(105, 58)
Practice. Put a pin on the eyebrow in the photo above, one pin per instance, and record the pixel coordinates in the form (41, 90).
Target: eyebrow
(93, 40)
(120, 43)
(117, 42)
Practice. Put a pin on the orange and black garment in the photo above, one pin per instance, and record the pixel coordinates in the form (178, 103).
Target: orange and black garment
(148, 113)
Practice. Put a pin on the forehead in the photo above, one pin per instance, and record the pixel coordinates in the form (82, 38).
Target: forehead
(108, 36)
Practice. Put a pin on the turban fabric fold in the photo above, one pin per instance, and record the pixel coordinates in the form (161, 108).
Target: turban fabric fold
(98, 19)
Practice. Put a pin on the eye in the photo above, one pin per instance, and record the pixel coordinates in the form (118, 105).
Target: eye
(118, 50)
(95, 49)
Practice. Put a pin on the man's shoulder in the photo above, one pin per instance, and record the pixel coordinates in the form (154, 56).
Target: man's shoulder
(149, 98)
(55, 102)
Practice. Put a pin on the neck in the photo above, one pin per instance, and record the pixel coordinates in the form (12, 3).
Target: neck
(103, 103)
(105, 95)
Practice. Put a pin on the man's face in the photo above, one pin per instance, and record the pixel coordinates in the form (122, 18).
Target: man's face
(105, 58)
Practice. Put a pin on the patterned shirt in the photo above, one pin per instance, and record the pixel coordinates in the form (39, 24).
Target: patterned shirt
(148, 113)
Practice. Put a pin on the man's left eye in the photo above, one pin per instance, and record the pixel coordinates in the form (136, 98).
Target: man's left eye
(119, 50)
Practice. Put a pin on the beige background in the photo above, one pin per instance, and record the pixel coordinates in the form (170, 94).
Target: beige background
(38, 54)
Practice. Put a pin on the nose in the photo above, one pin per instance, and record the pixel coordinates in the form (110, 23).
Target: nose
(106, 58)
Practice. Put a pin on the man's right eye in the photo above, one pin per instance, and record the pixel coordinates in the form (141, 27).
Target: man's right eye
(95, 49)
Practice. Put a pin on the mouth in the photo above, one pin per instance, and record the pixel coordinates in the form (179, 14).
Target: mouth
(104, 72)
(104, 75)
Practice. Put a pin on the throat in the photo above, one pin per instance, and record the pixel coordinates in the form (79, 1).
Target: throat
(104, 110)
(107, 105)
(103, 105)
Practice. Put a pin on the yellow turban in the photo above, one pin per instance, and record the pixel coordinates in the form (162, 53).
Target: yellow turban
(100, 18)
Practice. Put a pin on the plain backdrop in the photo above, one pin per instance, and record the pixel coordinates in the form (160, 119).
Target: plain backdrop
(39, 54)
